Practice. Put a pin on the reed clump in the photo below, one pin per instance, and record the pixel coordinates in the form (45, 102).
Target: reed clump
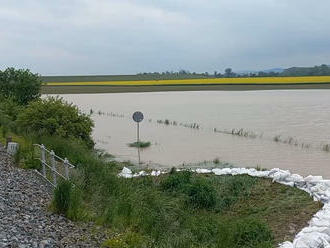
(326, 148)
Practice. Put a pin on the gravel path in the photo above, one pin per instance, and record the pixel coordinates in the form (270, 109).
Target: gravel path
(24, 218)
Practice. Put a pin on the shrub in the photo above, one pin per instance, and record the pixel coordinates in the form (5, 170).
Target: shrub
(202, 194)
(54, 116)
(9, 111)
(9, 108)
(21, 85)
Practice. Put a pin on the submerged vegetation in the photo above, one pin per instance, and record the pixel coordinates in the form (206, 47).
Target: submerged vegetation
(326, 148)
(291, 141)
(239, 132)
(140, 144)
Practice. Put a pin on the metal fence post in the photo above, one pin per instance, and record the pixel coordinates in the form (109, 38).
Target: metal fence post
(66, 167)
(53, 163)
(43, 160)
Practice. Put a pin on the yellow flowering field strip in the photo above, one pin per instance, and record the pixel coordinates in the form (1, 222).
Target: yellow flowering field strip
(213, 81)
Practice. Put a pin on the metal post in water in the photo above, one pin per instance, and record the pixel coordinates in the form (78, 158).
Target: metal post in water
(43, 160)
(66, 167)
(138, 132)
(138, 141)
(53, 163)
(138, 117)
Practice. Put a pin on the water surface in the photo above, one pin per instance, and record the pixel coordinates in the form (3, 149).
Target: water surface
(300, 117)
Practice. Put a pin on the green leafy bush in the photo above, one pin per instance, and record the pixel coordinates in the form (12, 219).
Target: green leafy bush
(10, 108)
(9, 111)
(21, 85)
(55, 117)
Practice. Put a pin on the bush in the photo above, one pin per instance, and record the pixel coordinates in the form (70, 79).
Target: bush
(9, 108)
(21, 85)
(55, 117)
(9, 111)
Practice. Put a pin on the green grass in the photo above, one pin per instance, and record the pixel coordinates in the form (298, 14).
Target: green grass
(121, 89)
(140, 144)
(183, 209)
(180, 209)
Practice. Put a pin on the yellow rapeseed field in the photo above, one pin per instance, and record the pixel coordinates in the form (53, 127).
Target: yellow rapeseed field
(213, 81)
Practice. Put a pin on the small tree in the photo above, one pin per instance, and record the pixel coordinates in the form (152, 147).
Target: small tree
(20, 85)
(54, 116)
(228, 72)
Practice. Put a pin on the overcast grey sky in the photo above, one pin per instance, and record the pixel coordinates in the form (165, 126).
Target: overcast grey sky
(66, 37)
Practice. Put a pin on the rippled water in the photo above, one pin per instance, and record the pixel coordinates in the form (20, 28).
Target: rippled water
(301, 118)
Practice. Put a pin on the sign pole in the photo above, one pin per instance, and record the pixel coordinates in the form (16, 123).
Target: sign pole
(138, 132)
(138, 117)
(138, 141)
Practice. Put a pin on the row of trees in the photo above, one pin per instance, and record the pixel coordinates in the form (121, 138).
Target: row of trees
(322, 70)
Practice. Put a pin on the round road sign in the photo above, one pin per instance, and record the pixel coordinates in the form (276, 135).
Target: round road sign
(137, 116)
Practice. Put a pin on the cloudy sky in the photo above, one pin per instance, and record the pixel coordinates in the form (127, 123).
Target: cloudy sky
(122, 37)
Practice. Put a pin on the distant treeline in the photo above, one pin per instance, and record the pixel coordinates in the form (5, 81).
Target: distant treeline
(322, 70)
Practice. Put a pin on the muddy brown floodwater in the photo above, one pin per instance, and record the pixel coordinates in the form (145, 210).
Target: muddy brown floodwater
(299, 120)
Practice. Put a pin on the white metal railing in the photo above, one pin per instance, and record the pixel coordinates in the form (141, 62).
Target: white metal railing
(53, 166)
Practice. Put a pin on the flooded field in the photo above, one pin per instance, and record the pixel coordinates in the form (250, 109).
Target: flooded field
(286, 129)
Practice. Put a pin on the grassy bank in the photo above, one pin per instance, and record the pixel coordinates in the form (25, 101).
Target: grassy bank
(180, 209)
